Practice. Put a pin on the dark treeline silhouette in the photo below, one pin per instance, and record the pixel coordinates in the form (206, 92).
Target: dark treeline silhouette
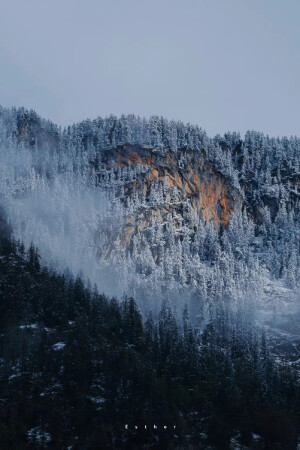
(76, 367)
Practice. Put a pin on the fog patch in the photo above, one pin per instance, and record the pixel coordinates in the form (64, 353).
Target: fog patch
(62, 215)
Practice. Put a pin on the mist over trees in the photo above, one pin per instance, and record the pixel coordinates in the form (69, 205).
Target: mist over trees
(183, 347)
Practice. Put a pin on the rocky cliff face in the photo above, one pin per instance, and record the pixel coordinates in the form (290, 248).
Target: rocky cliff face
(167, 190)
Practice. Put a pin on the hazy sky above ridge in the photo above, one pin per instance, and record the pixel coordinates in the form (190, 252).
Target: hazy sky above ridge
(222, 64)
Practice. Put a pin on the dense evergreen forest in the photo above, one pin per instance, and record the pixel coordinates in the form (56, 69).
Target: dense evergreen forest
(76, 367)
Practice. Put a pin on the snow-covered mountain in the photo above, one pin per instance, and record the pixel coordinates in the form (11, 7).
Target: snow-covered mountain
(160, 204)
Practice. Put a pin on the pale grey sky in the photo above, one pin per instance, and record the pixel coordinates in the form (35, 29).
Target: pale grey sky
(222, 64)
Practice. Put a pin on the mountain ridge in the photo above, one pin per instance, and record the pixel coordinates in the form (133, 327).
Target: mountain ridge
(184, 210)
